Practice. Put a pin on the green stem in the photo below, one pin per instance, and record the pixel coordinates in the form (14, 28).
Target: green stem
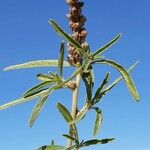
(74, 102)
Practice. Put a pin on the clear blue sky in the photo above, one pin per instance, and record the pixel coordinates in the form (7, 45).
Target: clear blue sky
(26, 35)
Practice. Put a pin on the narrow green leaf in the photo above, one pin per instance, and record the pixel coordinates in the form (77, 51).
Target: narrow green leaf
(88, 79)
(51, 147)
(72, 138)
(21, 100)
(39, 106)
(109, 87)
(88, 87)
(103, 93)
(61, 83)
(125, 75)
(120, 78)
(87, 65)
(77, 71)
(81, 114)
(67, 116)
(96, 141)
(67, 37)
(36, 88)
(38, 63)
(64, 112)
(61, 59)
(105, 47)
(44, 78)
(98, 121)
(98, 92)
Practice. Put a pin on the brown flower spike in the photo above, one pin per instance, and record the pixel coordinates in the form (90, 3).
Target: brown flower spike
(76, 23)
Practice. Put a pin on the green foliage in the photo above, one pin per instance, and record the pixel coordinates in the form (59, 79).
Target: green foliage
(53, 81)
(51, 147)
(69, 39)
(38, 63)
(67, 116)
(61, 59)
(125, 75)
(96, 141)
(98, 120)
(23, 100)
(76, 141)
(105, 47)
(97, 95)
(37, 109)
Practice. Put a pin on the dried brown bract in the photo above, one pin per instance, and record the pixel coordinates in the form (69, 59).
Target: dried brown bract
(76, 23)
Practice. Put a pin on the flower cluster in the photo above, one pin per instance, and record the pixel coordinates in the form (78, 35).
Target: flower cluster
(76, 23)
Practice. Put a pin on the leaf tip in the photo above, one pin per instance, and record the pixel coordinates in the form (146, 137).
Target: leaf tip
(50, 20)
(120, 34)
(137, 98)
(6, 69)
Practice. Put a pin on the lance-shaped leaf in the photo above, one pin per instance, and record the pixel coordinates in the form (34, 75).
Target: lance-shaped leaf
(77, 71)
(71, 138)
(103, 93)
(98, 121)
(109, 87)
(87, 65)
(36, 88)
(38, 63)
(63, 83)
(98, 92)
(105, 47)
(22, 100)
(96, 141)
(51, 147)
(39, 106)
(67, 37)
(61, 59)
(80, 115)
(68, 118)
(88, 79)
(125, 75)
(44, 77)
(120, 78)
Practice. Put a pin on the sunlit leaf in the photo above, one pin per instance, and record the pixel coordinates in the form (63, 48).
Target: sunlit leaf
(67, 116)
(61, 59)
(51, 147)
(44, 78)
(98, 120)
(105, 47)
(22, 100)
(125, 75)
(98, 91)
(87, 64)
(36, 88)
(88, 79)
(81, 113)
(103, 93)
(96, 141)
(77, 71)
(120, 78)
(71, 138)
(109, 87)
(39, 106)
(67, 37)
(64, 111)
(38, 63)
